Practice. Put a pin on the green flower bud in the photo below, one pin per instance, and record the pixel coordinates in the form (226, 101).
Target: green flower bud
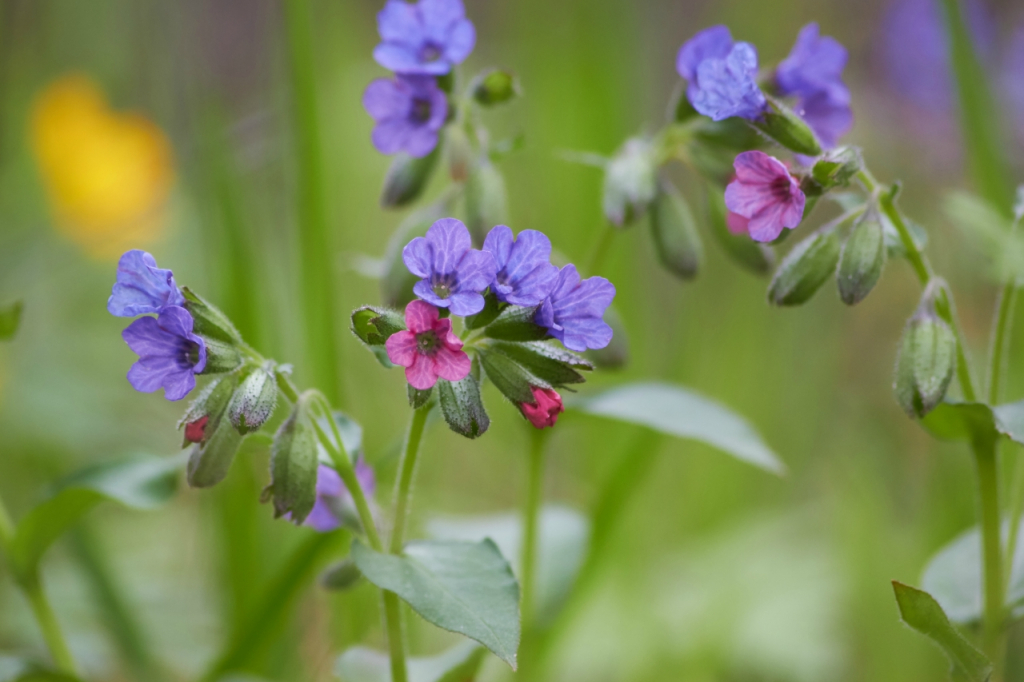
(462, 407)
(407, 177)
(926, 362)
(341, 576)
(208, 321)
(804, 269)
(837, 167)
(495, 87)
(486, 200)
(374, 326)
(674, 230)
(254, 401)
(202, 414)
(630, 181)
(783, 125)
(216, 440)
(862, 261)
(293, 465)
(221, 357)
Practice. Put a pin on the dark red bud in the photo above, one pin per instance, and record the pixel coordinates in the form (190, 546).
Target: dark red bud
(544, 411)
(194, 431)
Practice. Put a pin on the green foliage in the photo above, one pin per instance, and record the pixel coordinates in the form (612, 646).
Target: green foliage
(408, 177)
(677, 411)
(921, 612)
(464, 587)
(805, 268)
(861, 262)
(674, 230)
(374, 326)
(783, 125)
(293, 466)
(495, 86)
(20, 670)
(491, 309)
(211, 458)
(486, 199)
(10, 320)
(458, 664)
(341, 576)
(462, 406)
(550, 363)
(925, 365)
(515, 323)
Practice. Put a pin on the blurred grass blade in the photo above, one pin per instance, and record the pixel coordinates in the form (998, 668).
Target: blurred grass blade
(259, 630)
(458, 664)
(10, 319)
(315, 248)
(921, 612)
(676, 411)
(14, 669)
(979, 114)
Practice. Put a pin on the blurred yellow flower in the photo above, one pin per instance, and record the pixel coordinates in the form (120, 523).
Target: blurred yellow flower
(108, 174)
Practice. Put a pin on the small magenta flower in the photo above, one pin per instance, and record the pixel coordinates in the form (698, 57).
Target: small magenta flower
(333, 500)
(544, 410)
(195, 431)
(711, 43)
(454, 274)
(427, 37)
(573, 312)
(728, 87)
(409, 111)
(525, 274)
(142, 287)
(427, 349)
(766, 194)
(170, 355)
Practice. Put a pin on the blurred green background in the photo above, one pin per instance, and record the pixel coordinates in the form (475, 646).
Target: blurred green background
(717, 571)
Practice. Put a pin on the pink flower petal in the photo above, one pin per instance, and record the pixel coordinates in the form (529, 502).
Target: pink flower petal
(401, 348)
(452, 365)
(420, 316)
(736, 223)
(421, 374)
(758, 167)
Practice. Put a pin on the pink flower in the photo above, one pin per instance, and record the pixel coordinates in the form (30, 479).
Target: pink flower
(766, 194)
(427, 349)
(545, 409)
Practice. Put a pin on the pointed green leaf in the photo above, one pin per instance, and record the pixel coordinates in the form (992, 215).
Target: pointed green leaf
(677, 411)
(464, 587)
(10, 319)
(462, 406)
(458, 664)
(921, 612)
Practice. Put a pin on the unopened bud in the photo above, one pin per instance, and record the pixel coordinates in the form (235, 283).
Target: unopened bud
(374, 326)
(341, 576)
(630, 182)
(804, 269)
(221, 357)
(926, 362)
(462, 407)
(407, 177)
(254, 401)
(495, 87)
(674, 230)
(543, 411)
(838, 167)
(205, 411)
(206, 420)
(862, 261)
(208, 321)
(783, 125)
(293, 465)
(486, 200)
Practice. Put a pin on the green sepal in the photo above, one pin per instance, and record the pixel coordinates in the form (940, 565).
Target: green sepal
(495, 86)
(462, 406)
(254, 401)
(486, 200)
(837, 167)
(211, 402)
(208, 321)
(221, 357)
(211, 458)
(374, 326)
(752, 256)
(509, 377)
(805, 268)
(630, 181)
(408, 177)
(341, 576)
(418, 398)
(492, 307)
(862, 260)
(784, 126)
(515, 323)
(10, 320)
(293, 465)
(553, 365)
(926, 361)
(674, 230)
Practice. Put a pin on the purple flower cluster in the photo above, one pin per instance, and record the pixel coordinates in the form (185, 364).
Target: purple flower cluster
(722, 80)
(420, 42)
(518, 272)
(170, 355)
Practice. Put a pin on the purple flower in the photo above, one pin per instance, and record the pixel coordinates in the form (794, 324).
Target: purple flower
(574, 310)
(454, 274)
(170, 355)
(409, 111)
(711, 43)
(1013, 78)
(142, 287)
(333, 500)
(428, 37)
(829, 118)
(766, 193)
(728, 87)
(525, 274)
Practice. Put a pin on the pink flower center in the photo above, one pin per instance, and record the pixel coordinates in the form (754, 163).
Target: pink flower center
(781, 189)
(427, 343)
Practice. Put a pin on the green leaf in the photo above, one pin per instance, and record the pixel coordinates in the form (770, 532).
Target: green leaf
(515, 323)
(552, 364)
(492, 307)
(921, 612)
(956, 421)
(10, 319)
(564, 538)
(374, 326)
(293, 466)
(509, 377)
(140, 483)
(463, 587)
(677, 411)
(954, 576)
(462, 406)
(461, 663)
(13, 669)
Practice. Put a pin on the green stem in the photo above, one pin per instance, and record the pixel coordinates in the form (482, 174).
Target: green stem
(407, 470)
(988, 490)
(531, 523)
(395, 635)
(317, 286)
(600, 252)
(1016, 510)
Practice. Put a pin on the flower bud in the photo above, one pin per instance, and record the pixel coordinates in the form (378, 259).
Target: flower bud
(862, 260)
(293, 465)
(462, 407)
(207, 408)
(804, 269)
(407, 177)
(926, 362)
(221, 357)
(544, 409)
(341, 576)
(208, 321)
(675, 233)
(495, 87)
(629, 182)
(486, 200)
(374, 326)
(838, 167)
(218, 440)
(783, 125)
(753, 256)
(254, 401)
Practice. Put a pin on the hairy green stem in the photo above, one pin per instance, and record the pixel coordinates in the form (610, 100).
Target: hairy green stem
(1016, 510)
(407, 471)
(531, 523)
(993, 637)
(1001, 339)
